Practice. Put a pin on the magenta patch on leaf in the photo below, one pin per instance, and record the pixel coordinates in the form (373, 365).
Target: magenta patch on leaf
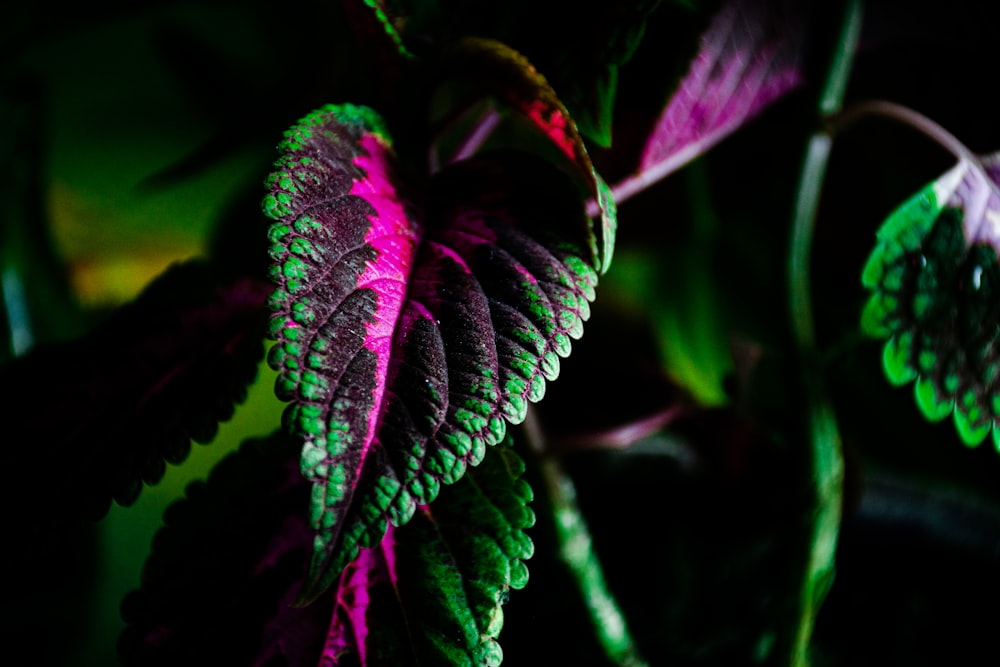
(349, 624)
(394, 238)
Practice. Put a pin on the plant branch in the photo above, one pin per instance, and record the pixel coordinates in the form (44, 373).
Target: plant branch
(621, 436)
(484, 127)
(906, 116)
(825, 458)
(919, 122)
(643, 179)
(576, 548)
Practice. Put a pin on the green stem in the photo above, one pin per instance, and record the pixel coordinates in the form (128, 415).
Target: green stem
(576, 547)
(825, 458)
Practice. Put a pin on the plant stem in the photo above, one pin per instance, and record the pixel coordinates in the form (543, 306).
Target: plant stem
(825, 458)
(916, 121)
(645, 178)
(488, 121)
(623, 436)
(906, 116)
(576, 547)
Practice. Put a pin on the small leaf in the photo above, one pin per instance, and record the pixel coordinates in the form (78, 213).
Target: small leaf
(121, 403)
(934, 278)
(431, 592)
(750, 55)
(595, 111)
(408, 336)
(494, 68)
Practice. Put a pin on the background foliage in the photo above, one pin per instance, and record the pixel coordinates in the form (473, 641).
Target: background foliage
(135, 136)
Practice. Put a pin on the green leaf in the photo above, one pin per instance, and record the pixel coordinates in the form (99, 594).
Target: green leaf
(375, 20)
(431, 592)
(935, 282)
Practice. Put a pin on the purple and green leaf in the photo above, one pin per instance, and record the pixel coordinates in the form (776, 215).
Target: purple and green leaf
(224, 571)
(935, 283)
(431, 592)
(751, 55)
(408, 335)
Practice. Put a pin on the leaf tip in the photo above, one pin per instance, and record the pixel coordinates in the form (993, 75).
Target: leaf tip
(933, 406)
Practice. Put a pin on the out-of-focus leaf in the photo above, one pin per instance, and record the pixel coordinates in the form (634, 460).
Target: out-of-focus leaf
(36, 305)
(224, 570)
(493, 68)
(212, 81)
(212, 61)
(431, 592)
(408, 336)
(375, 20)
(594, 115)
(219, 585)
(107, 412)
(935, 280)
(388, 63)
(750, 55)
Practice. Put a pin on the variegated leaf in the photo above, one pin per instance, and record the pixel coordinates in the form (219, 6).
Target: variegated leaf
(935, 280)
(751, 55)
(408, 334)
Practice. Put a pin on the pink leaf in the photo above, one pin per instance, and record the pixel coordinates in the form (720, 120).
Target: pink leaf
(750, 56)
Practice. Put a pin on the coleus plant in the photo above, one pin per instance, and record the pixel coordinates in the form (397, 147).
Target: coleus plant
(434, 253)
